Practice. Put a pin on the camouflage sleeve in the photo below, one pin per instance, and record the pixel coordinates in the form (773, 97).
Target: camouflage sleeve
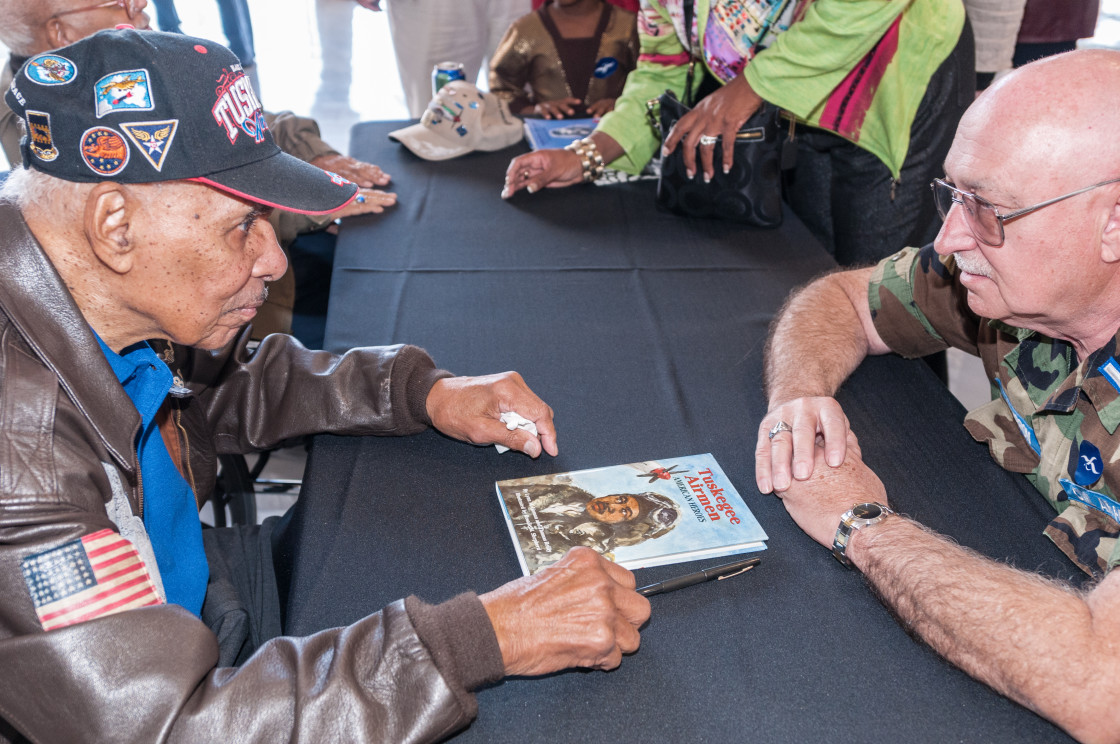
(918, 306)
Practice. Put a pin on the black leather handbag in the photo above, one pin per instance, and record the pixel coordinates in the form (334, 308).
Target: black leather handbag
(751, 192)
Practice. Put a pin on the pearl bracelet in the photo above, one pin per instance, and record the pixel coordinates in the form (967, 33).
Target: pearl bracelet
(589, 157)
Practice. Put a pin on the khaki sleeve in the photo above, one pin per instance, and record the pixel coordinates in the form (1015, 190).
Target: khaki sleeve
(509, 70)
(297, 135)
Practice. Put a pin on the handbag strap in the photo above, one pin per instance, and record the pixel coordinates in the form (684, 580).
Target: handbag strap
(690, 13)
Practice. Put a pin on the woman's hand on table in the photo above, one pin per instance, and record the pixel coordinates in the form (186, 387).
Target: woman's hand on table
(470, 409)
(719, 115)
(368, 201)
(789, 436)
(536, 170)
(366, 175)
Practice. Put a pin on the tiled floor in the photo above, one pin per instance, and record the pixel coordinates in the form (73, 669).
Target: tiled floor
(334, 60)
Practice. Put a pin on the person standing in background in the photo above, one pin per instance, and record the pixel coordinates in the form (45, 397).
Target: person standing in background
(876, 90)
(427, 32)
(568, 58)
(630, 5)
(1052, 28)
(995, 25)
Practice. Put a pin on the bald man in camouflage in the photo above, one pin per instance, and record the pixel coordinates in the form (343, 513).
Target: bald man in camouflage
(1025, 273)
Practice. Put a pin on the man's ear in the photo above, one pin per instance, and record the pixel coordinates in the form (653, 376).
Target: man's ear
(107, 223)
(59, 33)
(1110, 238)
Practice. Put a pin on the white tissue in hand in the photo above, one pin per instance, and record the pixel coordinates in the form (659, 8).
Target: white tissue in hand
(514, 420)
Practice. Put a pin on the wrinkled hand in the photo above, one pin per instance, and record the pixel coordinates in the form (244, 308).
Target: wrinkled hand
(601, 107)
(557, 109)
(365, 175)
(369, 201)
(543, 168)
(470, 409)
(579, 612)
(811, 418)
(370, 4)
(720, 114)
(817, 504)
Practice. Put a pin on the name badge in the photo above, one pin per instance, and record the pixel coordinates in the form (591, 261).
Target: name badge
(1111, 371)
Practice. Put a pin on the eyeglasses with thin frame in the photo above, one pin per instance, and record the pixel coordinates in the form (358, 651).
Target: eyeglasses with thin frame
(128, 6)
(983, 217)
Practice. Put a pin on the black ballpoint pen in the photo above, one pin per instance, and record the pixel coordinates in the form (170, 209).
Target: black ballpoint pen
(726, 571)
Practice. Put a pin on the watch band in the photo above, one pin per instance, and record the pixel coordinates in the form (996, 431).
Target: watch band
(856, 518)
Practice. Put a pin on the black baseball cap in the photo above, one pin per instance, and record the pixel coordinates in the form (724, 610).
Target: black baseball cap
(145, 106)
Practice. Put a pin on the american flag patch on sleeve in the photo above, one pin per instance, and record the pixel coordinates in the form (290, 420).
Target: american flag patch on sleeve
(97, 575)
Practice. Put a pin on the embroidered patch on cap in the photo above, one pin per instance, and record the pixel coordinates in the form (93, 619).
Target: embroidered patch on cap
(237, 107)
(126, 90)
(39, 133)
(97, 575)
(606, 67)
(50, 69)
(152, 138)
(15, 92)
(104, 150)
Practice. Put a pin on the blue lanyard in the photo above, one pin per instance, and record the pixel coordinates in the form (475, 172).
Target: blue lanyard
(1080, 494)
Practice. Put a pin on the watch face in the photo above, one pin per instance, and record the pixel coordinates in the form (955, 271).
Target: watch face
(866, 511)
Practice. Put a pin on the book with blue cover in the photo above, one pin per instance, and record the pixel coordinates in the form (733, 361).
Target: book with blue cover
(547, 134)
(642, 514)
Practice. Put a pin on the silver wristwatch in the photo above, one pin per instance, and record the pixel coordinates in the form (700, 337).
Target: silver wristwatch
(858, 517)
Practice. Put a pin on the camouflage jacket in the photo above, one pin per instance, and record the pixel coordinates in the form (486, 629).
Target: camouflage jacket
(1052, 417)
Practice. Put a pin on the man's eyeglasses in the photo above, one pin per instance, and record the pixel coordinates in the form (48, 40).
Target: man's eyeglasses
(128, 6)
(983, 217)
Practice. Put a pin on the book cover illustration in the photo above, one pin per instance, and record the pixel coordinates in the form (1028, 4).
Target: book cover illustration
(547, 134)
(642, 514)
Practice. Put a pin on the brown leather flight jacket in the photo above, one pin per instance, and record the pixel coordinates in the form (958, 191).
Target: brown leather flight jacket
(150, 674)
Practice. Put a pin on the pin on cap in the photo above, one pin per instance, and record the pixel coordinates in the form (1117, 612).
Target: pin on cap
(143, 106)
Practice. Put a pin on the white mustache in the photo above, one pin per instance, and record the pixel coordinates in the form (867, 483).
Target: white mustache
(973, 264)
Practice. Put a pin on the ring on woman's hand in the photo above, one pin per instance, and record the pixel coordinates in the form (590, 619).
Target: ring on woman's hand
(778, 428)
(708, 140)
(524, 174)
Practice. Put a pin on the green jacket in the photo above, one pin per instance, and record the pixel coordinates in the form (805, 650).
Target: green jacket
(823, 62)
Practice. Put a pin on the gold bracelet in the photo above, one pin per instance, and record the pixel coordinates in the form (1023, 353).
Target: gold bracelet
(590, 159)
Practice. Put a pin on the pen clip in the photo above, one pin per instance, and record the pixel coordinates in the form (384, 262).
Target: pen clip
(742, 570)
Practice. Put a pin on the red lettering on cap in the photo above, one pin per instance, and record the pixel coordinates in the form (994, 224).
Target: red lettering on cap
(200, 49)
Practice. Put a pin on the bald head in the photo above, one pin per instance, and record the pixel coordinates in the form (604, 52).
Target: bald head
(1054, 122)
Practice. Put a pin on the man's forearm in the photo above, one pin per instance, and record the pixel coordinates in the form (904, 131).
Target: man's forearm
(818, 338)
(1032, 639)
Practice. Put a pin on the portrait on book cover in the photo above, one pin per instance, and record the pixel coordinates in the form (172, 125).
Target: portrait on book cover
(570, 516)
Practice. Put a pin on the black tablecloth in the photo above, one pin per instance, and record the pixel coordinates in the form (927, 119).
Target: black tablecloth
(645, 332)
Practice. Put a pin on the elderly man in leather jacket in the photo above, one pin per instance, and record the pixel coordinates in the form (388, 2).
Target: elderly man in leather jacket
(134, 248)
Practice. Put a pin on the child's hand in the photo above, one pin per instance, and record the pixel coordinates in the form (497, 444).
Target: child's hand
(557, 109)
(600, 107)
